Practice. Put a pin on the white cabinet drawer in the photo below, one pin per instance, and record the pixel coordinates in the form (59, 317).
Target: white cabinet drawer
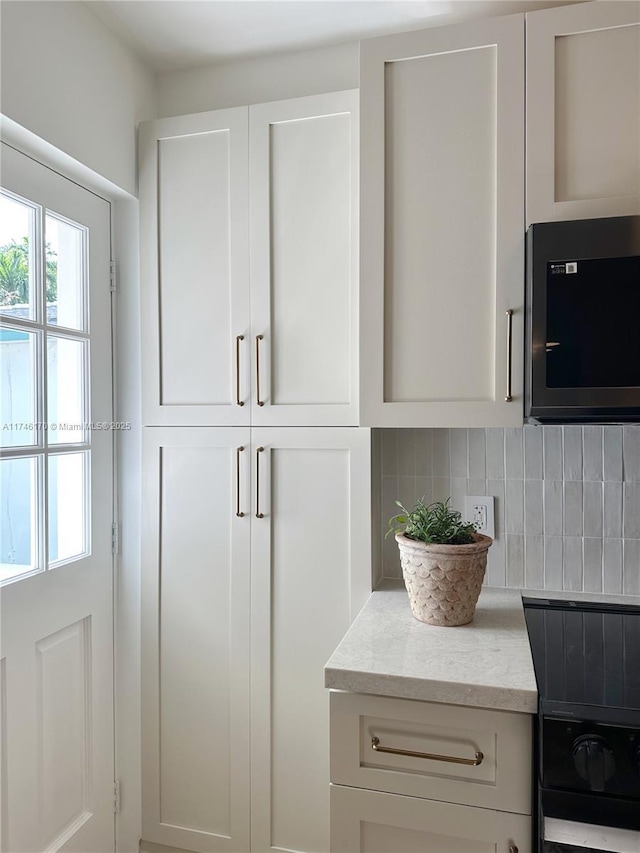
(501, 779)
(371, 822)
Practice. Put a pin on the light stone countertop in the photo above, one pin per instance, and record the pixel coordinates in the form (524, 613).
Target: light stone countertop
(487, 663)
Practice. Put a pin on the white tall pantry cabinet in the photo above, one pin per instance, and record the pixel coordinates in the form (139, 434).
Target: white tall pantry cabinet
(256, 550)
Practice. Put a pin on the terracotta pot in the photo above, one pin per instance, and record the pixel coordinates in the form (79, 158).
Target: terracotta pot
(443, 581)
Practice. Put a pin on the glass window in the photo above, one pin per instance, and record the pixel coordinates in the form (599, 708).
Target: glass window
(44, 389)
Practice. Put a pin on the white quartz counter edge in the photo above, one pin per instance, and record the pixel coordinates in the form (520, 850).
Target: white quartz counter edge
(487, 664)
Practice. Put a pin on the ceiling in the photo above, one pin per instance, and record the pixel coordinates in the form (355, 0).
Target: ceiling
(174, 34)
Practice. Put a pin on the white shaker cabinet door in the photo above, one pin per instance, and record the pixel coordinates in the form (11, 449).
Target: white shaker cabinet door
(442, 226)
(195, 639)
(310, 575)
(304, 260)
(195, 269)
(583, 111)
(371, 822)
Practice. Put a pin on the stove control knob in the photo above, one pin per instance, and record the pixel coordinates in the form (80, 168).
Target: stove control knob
(594, 761)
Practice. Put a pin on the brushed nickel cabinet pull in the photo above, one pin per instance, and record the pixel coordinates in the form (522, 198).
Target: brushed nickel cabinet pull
(258, 452)
(470, 762)
(509, 398)
(258, 339)
(238, 452)
(238, 400)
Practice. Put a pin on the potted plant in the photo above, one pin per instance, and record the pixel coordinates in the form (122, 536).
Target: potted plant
(443, 562)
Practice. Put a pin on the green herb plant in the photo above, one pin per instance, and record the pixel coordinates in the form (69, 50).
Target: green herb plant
(436, 523)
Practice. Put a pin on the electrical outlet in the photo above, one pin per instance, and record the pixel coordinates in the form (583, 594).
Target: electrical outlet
(479, 510)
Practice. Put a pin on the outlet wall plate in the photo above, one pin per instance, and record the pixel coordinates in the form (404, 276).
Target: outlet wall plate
(480, 510)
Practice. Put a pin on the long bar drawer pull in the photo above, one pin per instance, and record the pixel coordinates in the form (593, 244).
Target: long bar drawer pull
(509, 397)
(239, 513)
(258, 452)
(239, 402)
(258, 400)
(470, 762)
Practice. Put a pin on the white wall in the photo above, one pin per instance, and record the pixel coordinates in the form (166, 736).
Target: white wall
(253, 81)
(72, 94)
(70, 81)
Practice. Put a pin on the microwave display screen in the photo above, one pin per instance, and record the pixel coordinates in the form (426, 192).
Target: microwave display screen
(593, 323)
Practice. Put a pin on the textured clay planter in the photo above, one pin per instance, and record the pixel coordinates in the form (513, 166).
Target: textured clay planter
(443, 581)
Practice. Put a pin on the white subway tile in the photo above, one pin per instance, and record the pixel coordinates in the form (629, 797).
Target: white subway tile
(441, 488)
(533, 508)
(631, 453)
(534, 561)
(459, 453)
(496, 488)
(612, 566)
(514, 453)
(572, 452)
(514, 506)
(631, 567)
(391, 559)
(553, 501)
(592, 508)
(389, 451)
(592, 549)
(573, 579)
(553, 553)
(573, 518)
(533, 453)
(592, 452)
(552, 452)
(631, 511)
(612, 458)
(424, 489)
(458, 492)
(496, 564)
(495, 454)
(477, 453)
(515, 561)
(407, 487)
(423, 446)
(612, 510)
(441, 453)
(406, 453)
(476, 487)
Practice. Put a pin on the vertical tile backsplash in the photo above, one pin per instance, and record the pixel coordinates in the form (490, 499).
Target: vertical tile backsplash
(567, 499)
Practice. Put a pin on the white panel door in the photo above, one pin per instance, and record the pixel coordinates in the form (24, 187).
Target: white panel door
(304, 260)
(56, 656)
(442, 236)
(195, 638)
(310, 575)
(371, 822)
(195, 268)
(583, 111)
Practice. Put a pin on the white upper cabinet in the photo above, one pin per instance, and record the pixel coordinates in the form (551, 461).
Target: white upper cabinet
(251, 321)
(442, 226)
(583, 111)
(304, 260)
(195, 269)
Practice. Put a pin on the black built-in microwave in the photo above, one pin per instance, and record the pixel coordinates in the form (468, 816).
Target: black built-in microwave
(583, 321)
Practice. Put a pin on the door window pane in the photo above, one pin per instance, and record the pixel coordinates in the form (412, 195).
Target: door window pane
(65, 273)
(68, 510)
(18, 359)
(18, 517)
(17, 265)
(66, 370)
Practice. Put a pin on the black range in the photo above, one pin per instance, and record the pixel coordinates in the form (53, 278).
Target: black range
(587, 662)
